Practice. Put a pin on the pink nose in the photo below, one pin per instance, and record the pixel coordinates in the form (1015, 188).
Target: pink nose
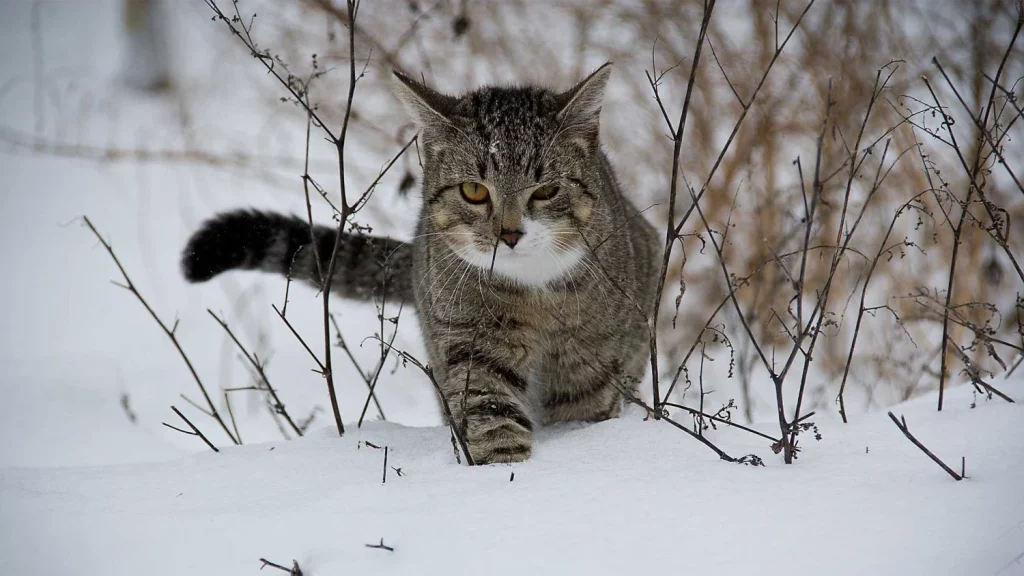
(511, 237)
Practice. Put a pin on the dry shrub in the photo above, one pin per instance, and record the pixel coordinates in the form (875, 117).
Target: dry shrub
(757, 189)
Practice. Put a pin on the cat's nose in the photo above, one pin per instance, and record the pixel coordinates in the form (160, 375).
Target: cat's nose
(511, 237)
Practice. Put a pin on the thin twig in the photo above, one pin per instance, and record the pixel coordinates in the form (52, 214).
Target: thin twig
(675, 228)
(973, 187)
(293, 571)
(301, 96)
(861, 309)
(634, 399)
(739, 121)
(381, 546)
(258, 366)
(300, 339)
(231, 414)
(901, 423)
(169, 332)
(385, 350)
(355, 363)
(328, 277)
(721, 421)
(975, 374)
(195, 431)
(670, 232)
(457, 432)
(973, 173)
(268, 62)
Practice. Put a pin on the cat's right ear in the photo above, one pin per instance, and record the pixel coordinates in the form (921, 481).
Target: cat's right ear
(426, 107)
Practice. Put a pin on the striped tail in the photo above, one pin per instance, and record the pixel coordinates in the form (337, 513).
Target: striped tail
(366, 267)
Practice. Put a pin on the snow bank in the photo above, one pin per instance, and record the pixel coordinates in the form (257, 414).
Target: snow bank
(618, 497)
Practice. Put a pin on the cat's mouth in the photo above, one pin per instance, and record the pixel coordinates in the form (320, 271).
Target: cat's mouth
(481, 254)
(499, 250)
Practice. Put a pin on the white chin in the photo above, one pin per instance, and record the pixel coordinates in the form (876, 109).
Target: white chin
(533, 268)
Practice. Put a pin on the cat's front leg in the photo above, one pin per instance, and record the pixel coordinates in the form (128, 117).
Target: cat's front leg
(487, 393)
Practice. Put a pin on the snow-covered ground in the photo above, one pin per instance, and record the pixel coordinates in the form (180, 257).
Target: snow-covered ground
(85, 490)
(620, 497)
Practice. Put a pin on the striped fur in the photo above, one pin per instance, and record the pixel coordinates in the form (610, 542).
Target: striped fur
(366, 267)
(547, 328)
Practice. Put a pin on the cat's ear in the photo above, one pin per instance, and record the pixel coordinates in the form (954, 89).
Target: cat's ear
(581, 104)
(425, 106)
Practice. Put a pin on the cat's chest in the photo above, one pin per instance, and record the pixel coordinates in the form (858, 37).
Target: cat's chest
(543, 311)
(503, 307)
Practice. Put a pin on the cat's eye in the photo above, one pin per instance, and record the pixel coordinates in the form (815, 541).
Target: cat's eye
(544, 193)
(474, 193)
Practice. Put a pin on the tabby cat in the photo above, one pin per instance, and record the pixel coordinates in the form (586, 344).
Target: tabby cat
(533, 275)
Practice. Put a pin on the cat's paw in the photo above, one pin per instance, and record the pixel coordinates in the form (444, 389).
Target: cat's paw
(502, 445)
(501, 455)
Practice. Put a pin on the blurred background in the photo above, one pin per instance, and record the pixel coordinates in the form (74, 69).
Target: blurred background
(151, 116)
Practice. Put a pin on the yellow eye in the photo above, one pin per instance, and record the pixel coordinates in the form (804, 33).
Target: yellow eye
(545, 193)
(474, 193)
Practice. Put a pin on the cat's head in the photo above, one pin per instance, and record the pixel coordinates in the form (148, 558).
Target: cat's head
(510, 173)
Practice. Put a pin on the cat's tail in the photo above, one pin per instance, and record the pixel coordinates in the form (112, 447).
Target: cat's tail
(366, 267)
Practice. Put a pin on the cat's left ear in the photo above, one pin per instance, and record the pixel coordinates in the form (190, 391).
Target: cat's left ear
(580, 106)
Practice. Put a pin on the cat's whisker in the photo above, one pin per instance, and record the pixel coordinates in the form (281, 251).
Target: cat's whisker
(447, 260)
(445, 278)
(458, 262)
(591, 269)
(455, 296)
(584, 261)
(595, 272)
(410, 241)
(575, 287)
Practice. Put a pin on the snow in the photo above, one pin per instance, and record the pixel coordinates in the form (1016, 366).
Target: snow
(85, 490)
(607, 498)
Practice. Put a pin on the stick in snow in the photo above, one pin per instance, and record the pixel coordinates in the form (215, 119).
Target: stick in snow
(901, 423)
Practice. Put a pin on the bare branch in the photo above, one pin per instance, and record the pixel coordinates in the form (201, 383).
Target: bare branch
(169, 332)
(258, 367)
(901, 423)
(195, 431)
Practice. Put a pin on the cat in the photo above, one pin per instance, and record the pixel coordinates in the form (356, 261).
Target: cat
(533, 275)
